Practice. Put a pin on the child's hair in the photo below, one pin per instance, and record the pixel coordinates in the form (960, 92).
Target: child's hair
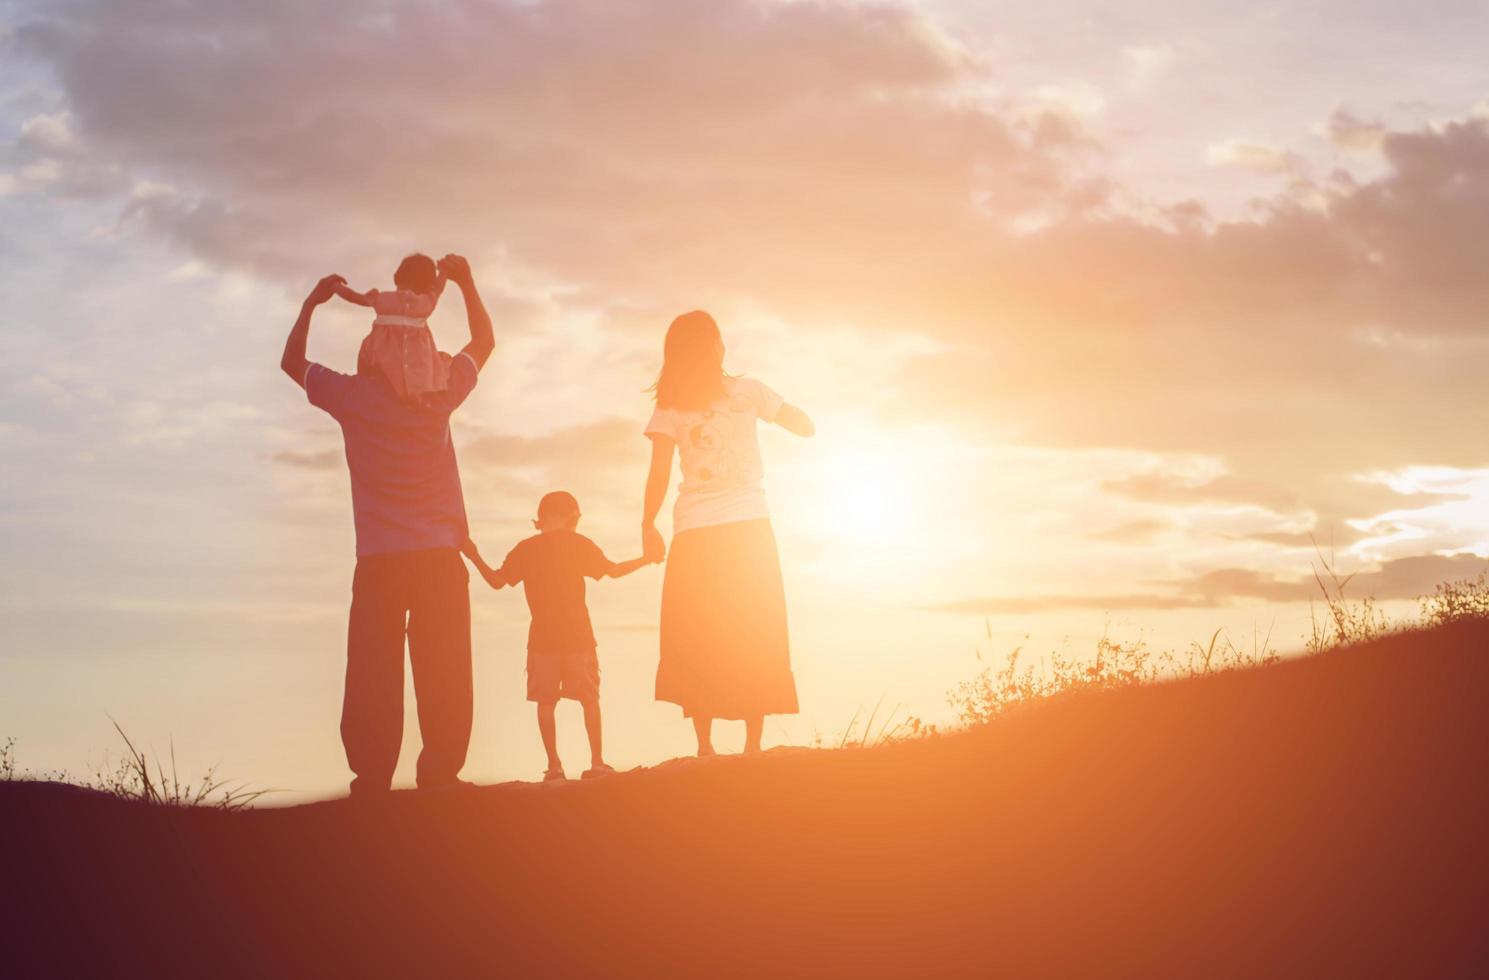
(416, 273)
(692, 376)
(555, 507)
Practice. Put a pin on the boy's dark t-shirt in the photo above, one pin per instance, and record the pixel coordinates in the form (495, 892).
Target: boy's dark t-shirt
(551, 568)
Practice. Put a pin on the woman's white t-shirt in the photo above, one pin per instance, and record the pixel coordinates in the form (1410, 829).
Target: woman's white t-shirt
(722, 477)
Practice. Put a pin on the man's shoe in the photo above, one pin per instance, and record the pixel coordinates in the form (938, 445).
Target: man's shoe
(364, 791)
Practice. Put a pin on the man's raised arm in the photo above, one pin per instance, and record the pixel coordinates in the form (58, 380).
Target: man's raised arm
(482, 337)
(293, 363)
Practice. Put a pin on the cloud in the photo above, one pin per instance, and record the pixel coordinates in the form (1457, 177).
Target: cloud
(1327, 536)
(1014, 605)
(573, 136)
(1260, 157)
(606, 444)
(1171, 488)
(816, 164)
(1442, 509)
(1146, 63)
(1131, 532)
(47, 133)
(1349, 132)
(1404, 578)
(327, 459)
(1327, 512)
(1302, 342)
(816, 158)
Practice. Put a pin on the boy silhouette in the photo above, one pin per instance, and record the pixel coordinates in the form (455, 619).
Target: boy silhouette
(561, 659)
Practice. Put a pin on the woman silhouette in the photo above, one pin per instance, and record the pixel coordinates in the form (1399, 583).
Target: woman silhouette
(725, 651)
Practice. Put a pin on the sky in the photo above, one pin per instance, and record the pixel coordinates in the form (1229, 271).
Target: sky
(1111, 319)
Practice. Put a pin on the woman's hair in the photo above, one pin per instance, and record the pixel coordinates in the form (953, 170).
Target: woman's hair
(416, 273)
(692, 375)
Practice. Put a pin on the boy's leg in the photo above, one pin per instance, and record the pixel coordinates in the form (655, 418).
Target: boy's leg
(439, 649)
(703, 729)
(592, 729)
(372, 707)
(548, 728)
(754, 730)
(544, 686)
(581, 681)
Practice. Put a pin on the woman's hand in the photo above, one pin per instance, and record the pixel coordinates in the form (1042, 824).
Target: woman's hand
(653, 545)
(493, 577)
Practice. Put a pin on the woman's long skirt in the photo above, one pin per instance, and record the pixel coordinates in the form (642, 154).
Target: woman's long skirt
(725, 651)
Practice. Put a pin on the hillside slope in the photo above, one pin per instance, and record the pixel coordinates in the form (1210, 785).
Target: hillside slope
(1324, 817)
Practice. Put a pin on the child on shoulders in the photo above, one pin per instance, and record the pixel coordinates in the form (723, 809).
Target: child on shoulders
(400, 345)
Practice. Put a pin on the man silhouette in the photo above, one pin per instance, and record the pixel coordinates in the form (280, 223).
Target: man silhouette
(410, 523)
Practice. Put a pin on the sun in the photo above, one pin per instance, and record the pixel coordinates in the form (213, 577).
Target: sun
(865, 496)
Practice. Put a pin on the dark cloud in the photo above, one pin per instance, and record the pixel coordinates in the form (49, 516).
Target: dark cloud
(623, 145)
(1402, 578)
(1408, 578)
(1013, 605)
(1330, 503)
(1340, 329)
(1225, 584)
(823, 162)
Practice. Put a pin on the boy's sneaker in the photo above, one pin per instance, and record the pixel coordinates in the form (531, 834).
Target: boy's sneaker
(598, 771)
(554, 776)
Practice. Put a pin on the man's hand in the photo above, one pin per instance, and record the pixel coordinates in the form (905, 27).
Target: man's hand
(482, 338)
(325, 289)
(457, 269)
(493, 577)
(293, 362)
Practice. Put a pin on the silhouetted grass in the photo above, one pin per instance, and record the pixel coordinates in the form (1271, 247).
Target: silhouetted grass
(1453, 602)
(1345, 621)
(892, 728)
(137, 778)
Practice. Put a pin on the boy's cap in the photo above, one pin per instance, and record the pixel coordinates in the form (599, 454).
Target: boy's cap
(559, 503)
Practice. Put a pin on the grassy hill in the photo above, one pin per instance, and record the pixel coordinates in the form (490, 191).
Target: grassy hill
(1323, 817)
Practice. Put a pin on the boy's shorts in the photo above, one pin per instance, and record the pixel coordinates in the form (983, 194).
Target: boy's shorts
(574, 674)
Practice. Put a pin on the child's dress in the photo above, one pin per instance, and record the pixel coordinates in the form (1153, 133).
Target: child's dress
(401, 346)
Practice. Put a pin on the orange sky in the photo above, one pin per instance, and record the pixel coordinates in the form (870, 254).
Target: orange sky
(1101, 316)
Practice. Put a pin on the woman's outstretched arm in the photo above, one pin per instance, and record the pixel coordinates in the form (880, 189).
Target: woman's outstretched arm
(657, 478)
(795, 421)
(621, 569)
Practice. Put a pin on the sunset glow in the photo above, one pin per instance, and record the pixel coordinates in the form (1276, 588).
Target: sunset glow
(867, 497)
